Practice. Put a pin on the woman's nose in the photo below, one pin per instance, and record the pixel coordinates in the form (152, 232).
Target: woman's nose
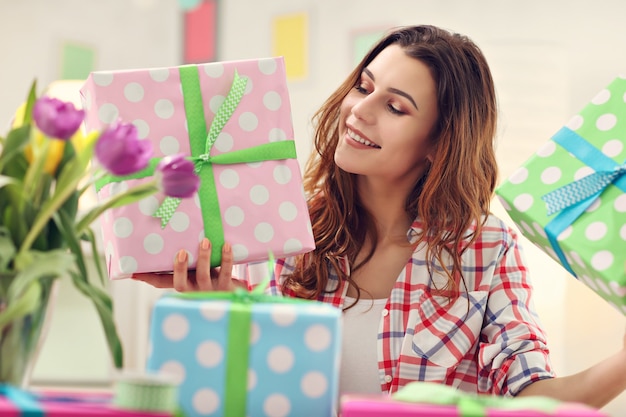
(363, 109)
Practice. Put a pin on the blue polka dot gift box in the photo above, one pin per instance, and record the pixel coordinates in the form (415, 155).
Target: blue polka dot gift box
(233, 119)
(248, 355)
(569, 198)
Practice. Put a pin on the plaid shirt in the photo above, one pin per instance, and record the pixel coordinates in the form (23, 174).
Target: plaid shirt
(488, 340)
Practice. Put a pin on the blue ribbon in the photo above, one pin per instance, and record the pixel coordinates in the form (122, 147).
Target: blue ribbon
(25, 402)
(607, 171)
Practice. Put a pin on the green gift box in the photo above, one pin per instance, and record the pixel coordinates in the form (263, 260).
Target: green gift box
(569, 198)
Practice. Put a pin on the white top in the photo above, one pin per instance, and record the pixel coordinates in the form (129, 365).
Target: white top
(359, 355)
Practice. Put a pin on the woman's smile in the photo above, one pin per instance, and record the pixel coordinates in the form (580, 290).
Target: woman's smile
(356, 137)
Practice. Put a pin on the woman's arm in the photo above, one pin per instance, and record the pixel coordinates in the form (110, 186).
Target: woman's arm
(595, 386)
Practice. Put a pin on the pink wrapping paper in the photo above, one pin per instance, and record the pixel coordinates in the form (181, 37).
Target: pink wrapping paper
(384, 406)
(73, 405)
(262, 204)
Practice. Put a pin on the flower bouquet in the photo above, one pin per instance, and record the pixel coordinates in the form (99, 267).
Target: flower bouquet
(46, 165)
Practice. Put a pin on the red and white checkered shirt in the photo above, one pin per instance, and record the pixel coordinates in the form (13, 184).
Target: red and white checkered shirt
(488, 340)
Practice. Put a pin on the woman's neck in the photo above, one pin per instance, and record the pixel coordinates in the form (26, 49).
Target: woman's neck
(387, 206)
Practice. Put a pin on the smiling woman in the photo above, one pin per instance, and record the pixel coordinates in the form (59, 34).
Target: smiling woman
(381, 113)
(399, 190)
(540, 70)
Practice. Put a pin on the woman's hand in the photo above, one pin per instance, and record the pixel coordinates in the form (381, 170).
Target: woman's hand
(204, 278)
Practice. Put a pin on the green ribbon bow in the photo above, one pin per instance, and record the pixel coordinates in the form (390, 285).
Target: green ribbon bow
(471, 405)
(201, 144)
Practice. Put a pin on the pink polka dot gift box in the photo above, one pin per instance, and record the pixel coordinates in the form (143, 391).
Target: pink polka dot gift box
(248, 354)
(250, 193)
(569, 198)
(429, 399)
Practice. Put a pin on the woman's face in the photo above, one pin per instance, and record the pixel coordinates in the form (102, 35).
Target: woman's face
(386, 119)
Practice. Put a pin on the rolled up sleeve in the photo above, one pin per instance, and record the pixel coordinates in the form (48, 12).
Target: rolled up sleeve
(513, 351)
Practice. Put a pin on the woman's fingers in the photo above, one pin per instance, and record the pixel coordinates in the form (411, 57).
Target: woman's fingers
(225, 274)
(203, 267)
(181, 281)
(204, 278)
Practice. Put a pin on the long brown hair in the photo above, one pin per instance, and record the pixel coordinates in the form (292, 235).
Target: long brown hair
(450, 200)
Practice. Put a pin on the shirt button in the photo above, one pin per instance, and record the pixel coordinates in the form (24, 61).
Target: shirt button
(385, 312)
(388, 378)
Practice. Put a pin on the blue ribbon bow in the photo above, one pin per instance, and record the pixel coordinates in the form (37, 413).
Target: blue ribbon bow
(581, 189)
(573, 199)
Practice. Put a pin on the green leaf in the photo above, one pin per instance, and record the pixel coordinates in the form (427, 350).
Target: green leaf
(90, 236)
(69, 153)
(30, 102)
(104, 307)
(35, 171)
(101, 300)
(28, 302)
(14, 145)
(65, 225)
(7, 249)
(76, 168)
(16, 224)
(55, 237)
(4, 180)
(34, 266)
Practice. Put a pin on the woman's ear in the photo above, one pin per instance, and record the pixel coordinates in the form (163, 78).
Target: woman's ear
(430, 157)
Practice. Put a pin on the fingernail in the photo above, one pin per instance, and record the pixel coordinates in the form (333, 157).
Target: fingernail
(226, 248)
(205, 243)
(182, 255)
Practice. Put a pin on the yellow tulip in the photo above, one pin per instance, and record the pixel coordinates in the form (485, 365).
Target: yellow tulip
(56, 146)
(55, 150)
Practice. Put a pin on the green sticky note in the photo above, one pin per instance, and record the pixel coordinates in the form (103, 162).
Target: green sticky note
(77, 61)
(362, 44)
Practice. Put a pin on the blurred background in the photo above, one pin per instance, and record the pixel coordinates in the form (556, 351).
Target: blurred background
(548, 58)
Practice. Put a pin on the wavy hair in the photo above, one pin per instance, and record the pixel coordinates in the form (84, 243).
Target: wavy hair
(450, 201)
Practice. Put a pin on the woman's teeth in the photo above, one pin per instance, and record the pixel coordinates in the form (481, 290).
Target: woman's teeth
(361, 140)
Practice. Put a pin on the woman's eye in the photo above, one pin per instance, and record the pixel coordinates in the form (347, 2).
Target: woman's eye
(361, 89)
(395, 109)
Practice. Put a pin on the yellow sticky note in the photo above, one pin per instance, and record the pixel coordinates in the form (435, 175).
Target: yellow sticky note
(291, 41)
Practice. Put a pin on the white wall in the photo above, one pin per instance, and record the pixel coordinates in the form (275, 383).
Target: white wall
(548, 58)
(125, 33)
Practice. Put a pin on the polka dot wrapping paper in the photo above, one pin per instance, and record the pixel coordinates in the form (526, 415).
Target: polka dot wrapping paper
(580, 174)
(284, 362)
(261, 204)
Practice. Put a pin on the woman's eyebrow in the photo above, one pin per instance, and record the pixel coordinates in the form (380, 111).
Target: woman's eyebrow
(393, 90)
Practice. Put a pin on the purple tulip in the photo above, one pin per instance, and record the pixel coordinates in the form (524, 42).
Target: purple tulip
(56, 118)
(177, 176)
(120, 151)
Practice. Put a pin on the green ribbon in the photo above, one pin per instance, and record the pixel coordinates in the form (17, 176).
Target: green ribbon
(201, 144)
(471, 405)
(238, 341)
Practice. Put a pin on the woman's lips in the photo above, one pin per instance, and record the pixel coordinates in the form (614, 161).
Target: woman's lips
(358, 138)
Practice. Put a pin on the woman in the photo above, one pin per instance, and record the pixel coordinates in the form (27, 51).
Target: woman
(433, 286)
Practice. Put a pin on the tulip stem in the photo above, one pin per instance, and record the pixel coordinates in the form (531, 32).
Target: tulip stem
(132, 194)
(92, 180)
(47, 211)
(35, 170)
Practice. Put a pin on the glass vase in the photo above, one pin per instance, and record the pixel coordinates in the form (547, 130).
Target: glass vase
(21, 338)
